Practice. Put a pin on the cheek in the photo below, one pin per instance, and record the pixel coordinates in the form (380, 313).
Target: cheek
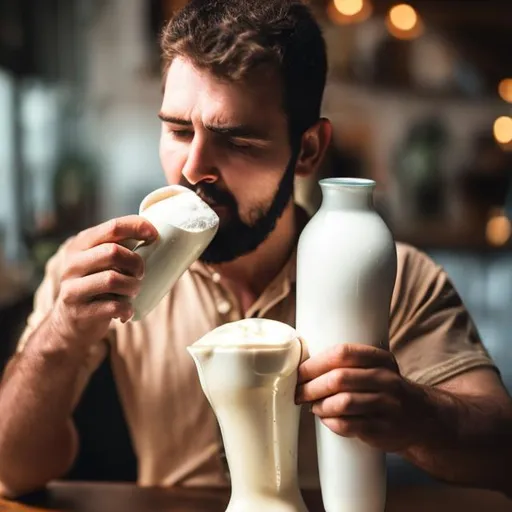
(172, 160)
(253, 192)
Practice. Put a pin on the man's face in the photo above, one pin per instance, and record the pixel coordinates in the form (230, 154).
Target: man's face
(229, 143)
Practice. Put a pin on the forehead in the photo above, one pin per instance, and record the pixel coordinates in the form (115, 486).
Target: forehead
(196, 94)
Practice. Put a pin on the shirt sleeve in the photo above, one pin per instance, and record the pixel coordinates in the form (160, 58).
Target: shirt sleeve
(44, 300)
(431, 332)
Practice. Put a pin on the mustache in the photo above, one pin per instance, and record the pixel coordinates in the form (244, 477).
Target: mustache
(212, 194)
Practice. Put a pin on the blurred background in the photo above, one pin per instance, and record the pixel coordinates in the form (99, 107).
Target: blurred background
(420, 95)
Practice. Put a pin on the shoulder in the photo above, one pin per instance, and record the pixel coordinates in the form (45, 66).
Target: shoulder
(55, 265)
(416, 269)
(431, 332)
(49, 287)
(46, 293)
(419, 280)
(411, 259)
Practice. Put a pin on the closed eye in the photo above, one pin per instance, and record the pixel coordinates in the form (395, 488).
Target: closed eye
(181, 134)
(238, 144)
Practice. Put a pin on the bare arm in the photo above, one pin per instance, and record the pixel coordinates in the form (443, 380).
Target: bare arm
(37, 439)
(468, 432)
(459, 432)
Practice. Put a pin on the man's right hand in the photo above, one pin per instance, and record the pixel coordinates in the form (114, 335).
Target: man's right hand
(99, 278)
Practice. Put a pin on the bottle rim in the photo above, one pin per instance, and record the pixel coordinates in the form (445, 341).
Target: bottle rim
(347, 182)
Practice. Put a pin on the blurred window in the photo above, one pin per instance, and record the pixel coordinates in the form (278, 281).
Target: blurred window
(8, 238)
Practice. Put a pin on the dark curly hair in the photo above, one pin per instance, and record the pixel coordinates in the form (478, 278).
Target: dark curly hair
(233, 39)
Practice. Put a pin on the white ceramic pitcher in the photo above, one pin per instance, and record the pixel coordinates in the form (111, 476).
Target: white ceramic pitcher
(248, 372)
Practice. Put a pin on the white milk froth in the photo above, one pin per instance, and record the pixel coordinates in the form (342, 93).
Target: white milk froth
(185, 210)
(185, 225)
(250, 332)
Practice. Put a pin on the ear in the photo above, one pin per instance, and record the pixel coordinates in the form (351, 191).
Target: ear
(314, 144)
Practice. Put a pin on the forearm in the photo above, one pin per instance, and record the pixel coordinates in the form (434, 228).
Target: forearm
(37, 439)
(465, 440)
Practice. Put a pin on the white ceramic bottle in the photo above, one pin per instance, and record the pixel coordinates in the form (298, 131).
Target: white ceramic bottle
(248, 372)
(346, 271)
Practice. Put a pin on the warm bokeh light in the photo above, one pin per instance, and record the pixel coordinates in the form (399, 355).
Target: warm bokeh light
(344, 12)
(403, 17)
(349, 7)
(505, 89)
(503, 129)
(498, 230)
(403, 22)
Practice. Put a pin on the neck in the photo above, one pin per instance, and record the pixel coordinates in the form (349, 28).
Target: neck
(252, 273)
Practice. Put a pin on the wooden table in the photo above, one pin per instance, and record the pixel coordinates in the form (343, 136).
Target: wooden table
(82, 497)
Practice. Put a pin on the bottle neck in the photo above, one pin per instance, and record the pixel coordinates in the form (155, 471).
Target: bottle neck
(347, 194)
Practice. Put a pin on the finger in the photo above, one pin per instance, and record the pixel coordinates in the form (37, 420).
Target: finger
(116, 230)
(342, 380)
(353, 404)
(108, 282)
(101, 310)
(352, 426)
(345, 356)
(104, 257)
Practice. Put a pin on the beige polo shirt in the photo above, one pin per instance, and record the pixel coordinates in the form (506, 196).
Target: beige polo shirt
(174, 431)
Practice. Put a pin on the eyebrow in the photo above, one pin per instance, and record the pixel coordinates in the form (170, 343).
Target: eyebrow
(237, 131)
(174, 120)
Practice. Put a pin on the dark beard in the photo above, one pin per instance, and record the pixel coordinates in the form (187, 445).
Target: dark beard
(236, 238)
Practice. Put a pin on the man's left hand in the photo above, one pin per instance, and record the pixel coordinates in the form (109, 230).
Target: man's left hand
(357, 391)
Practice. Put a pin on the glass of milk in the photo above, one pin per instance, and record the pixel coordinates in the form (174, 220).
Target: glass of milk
(185, 225)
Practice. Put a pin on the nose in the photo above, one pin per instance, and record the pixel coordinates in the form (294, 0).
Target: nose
(200, 164)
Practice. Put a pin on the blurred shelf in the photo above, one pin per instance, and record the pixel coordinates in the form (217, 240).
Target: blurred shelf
(406, 94)
(433, 235)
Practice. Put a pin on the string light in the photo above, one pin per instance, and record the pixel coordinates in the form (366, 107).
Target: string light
(503, 129)
(349, 7)
(498, 230)
(403, 17)
(505, 89)
(344, 12)
(404, 22)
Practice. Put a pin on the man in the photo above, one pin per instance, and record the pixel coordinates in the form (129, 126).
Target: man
(240, 118)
